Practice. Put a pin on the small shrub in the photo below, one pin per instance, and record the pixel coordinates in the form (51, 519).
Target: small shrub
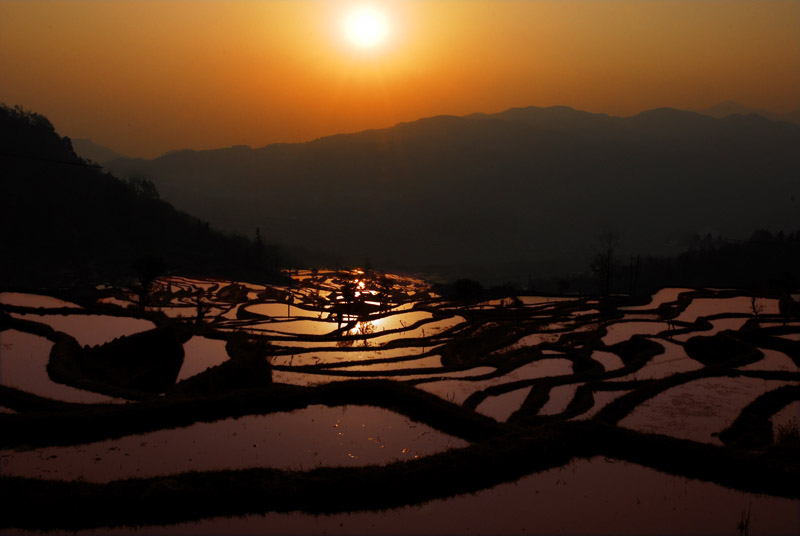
(787, 434)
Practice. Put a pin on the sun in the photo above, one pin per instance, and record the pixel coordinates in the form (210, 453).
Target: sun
(366, 27)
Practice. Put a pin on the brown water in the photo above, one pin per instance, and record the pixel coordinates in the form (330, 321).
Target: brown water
(281, 310)
(582, 498)
(501, 407)
(302, 378)
(665, 295)
(740, 304)
(698, 408)
(672, 361)
(432, 361)
(608, 360)
(601, 400)
(303, 439)
(773, 360)
(21, 299)
(91, 330)
(357, 353)
(458, 391)
(201, 353)
(560, 397)
(622, 331)
(23, 366)
(717, 325)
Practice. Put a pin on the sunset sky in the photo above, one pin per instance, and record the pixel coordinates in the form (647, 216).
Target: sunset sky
(146, 77)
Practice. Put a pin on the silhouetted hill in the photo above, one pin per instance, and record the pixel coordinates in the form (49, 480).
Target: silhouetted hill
(89, 150)
(522, 191)
(63, 220)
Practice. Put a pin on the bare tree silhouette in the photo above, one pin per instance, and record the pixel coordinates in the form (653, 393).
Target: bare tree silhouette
(147, 269)
(604, 265)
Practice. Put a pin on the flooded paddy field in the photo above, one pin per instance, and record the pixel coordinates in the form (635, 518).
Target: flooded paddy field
(350, 403)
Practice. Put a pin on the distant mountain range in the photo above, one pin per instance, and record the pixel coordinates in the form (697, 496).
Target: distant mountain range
(525, 191)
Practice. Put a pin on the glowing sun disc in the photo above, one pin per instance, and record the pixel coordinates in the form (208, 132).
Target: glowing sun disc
(366, 27)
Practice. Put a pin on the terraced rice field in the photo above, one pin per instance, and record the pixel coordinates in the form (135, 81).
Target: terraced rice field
(347, 394)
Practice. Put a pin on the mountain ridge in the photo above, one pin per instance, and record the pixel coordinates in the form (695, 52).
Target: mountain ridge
(502, 115)
(482, 189)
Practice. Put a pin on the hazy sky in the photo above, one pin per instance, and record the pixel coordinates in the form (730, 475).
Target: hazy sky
(145, 77)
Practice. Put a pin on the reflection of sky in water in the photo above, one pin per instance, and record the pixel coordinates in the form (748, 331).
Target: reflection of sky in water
(306, 438)
(720, 324)
(281, 310)
(328, 375)
(541, 300)
(501, 407)
(623, 331)
(363, 360)
(116, 301)
(328, 324)
(433, 361)
(425, 330)
(560, 397)
(550, 333)
(672, 361)
(91, 330)
(458, 391)
(188, 311)
(23, 366)
(772, 360)
(608, 360)
(34, 300)
(665, 295)
(352, 353)
(584, 497)
(712, 306)
(200, 354)
(297, 327)
(601, 400)
(696, 409)
(398, 321)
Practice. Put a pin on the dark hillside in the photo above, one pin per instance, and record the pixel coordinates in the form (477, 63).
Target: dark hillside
(63, 220)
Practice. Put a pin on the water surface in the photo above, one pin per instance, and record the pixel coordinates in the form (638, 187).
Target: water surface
(21, 299)
(23, 366)
(582, 498)
(697, 409)
(740, 304)
(458, 391)
(91, 330)
(201, 353)
(316, 436)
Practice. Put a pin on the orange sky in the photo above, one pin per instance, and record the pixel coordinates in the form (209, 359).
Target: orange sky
(146, 77)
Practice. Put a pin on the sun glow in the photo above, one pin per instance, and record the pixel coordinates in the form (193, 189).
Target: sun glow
(366, 27)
